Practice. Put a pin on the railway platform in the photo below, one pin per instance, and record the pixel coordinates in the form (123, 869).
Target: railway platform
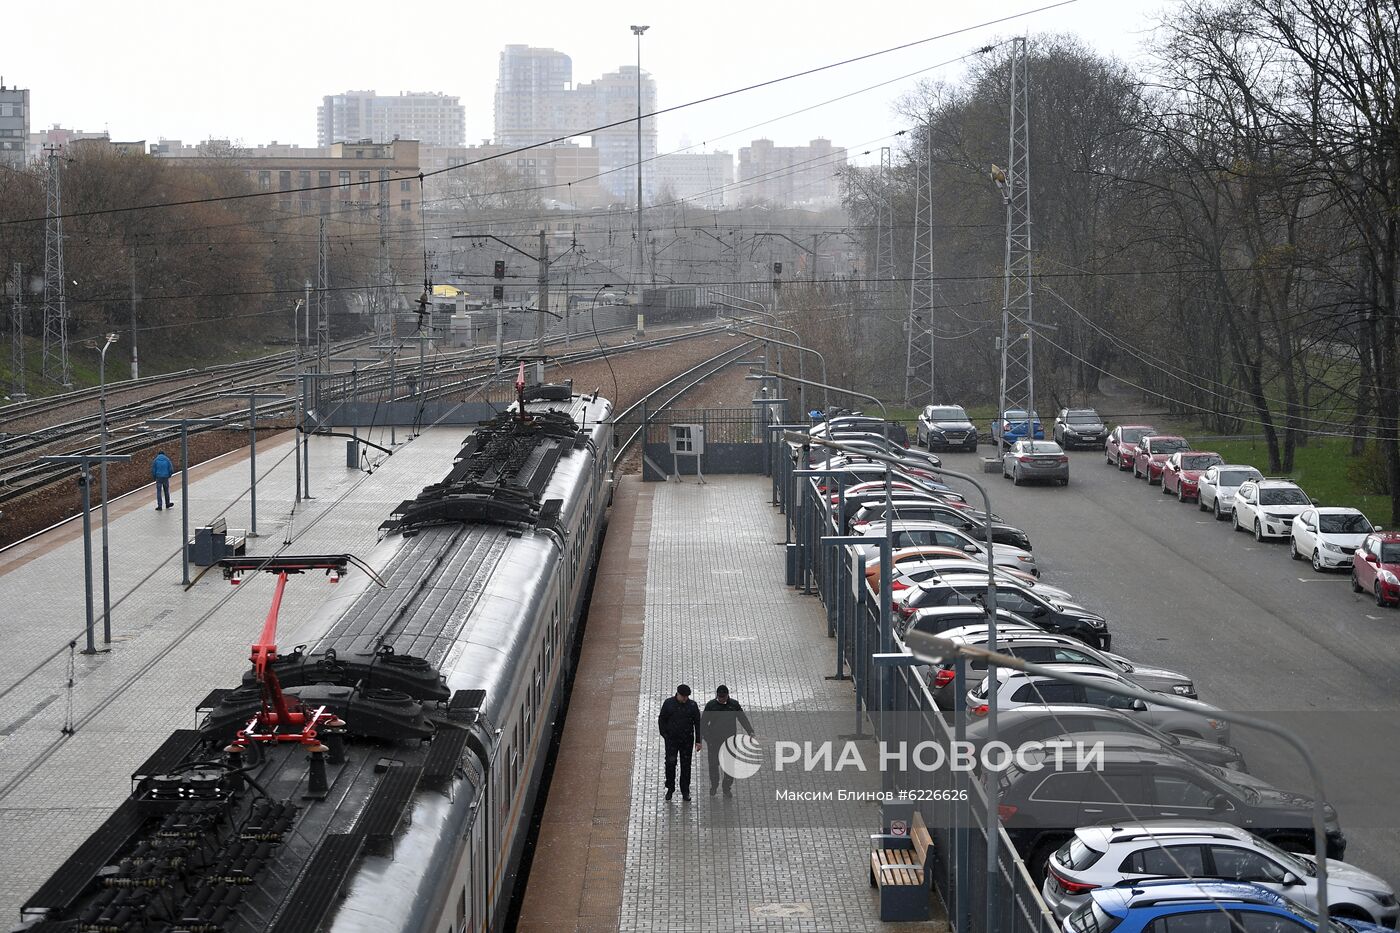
(689, 589)
(73, 727)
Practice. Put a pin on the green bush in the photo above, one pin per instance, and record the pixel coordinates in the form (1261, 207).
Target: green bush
(1368, 472)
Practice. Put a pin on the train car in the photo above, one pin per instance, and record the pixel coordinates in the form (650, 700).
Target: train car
(383, 776)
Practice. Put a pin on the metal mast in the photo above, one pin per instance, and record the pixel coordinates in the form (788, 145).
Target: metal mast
(323, 316)
(383, 314)
(919, 349)
(56, 367)
(17, 335)
(884, 234)
(1017, 321)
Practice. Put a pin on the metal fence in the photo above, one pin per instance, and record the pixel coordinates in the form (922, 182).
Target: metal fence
(897, 704)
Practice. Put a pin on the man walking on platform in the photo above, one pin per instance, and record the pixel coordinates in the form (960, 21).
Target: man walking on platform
(720, 722)
(161, 471)
(679, 723)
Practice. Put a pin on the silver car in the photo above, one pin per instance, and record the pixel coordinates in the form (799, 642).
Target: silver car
(1028, 461)
(1215, 490)
(1108, 856)
(1017, 688)
(1042, 647)
(917, 533)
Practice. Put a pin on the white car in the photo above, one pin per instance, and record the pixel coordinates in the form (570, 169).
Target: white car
(1215, 490)
(910, 575)
(917, 533)
(1108, 856)
(1267, 507)
(1328, 537)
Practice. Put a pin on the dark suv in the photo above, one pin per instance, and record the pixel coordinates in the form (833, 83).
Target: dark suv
(1041, 805)
(932, 511)
(946, 427)
(1080, 427)
(1062, 619)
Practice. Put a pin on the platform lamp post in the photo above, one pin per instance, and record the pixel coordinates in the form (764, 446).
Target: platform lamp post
(102, 409)
(802, 390)
(641, 236)
(85, 462)
(185, 424)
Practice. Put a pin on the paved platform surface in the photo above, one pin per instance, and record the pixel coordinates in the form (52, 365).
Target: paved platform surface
(170, 646)
(690, 589)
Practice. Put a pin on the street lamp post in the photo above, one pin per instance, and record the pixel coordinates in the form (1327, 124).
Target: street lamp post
(641, 236)
(102, 409)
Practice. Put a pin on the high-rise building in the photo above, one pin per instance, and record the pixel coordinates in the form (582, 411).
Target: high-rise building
(700, 178)
(14, 125)
(790, 176)
(536, 101)
(432, 118)
(533, 95)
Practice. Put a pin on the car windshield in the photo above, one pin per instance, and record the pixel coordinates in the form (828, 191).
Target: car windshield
(1343, 524)
(1282, 495)
(953, 413)
(1082, 416)
(1169, 445)
(1232, 478)
(1091, 918)
(1390, 553)
(1202, 462)
(1133, 435)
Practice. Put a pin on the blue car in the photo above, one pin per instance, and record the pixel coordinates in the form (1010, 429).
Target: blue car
(1012, 426)
(1198, 907)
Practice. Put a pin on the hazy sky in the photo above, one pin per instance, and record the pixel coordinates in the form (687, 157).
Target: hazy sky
(255, 71)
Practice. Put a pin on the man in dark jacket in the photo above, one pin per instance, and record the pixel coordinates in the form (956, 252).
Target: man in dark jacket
(161, 471)
(679, 723)
(721, 720)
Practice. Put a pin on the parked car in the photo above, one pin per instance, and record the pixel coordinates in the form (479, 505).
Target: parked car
(913, 534)
(1328, 537)
(912, 573)
(1268, 507)
(1041, 808)
(1042, 647)
(905, 555)
(1099, 857)
(1014, 425)
(1039, 721)
(1018, 687)
(934, 511)
(945, 427)
(1215, 490)
(1035, 460)
(1376, 567)
(839, 423)
(1152, 454)
(1182, 472)
(1121, 447)
(1199, 907)
(907, 455)
(1049, 615)
(1079, 427)
(941, 619)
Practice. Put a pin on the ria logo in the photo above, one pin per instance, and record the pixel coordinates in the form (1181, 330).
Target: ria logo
(740, 756)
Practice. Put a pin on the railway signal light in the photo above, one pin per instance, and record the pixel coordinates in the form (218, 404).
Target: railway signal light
(498, 292)
(777, 268)
(499, 271)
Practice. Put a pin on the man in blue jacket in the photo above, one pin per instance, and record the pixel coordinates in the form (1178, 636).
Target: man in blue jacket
(161, 471)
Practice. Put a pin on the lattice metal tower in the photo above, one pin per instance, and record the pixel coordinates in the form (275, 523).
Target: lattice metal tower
(1017, 319)
(323, 315)
(884, 235)
(56, 366)
(17, 334)
(919, 348)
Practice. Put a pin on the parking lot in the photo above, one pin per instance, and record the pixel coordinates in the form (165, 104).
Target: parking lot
(1257, 631)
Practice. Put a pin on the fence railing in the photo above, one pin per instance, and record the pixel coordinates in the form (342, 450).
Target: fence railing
(952, 803)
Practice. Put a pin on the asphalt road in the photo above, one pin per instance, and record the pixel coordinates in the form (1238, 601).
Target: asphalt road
(1257, 631)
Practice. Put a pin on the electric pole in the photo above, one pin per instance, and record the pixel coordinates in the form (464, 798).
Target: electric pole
(55, 348)
(884, 234)
(542, 321)
(1017, 321)
(919, 348)
(323, 317)
(17, 335)
(135, 358)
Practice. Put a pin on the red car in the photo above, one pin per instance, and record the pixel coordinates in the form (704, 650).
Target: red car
(1184, 468)
(1376, 567)
(1152, 454)
(1121, 446)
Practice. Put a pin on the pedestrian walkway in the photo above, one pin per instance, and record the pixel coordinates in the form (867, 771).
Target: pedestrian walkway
(170, 646)
(690, 589)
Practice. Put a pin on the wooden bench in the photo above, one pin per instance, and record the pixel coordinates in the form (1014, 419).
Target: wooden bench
(902, 868)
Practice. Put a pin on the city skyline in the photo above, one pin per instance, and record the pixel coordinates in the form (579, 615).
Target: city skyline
(273, 96)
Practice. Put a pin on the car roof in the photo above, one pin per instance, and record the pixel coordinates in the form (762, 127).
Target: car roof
(1142, 427)
(1163, 437)
(1106, 834)
(1196, 453)
(1118, 900)
(1238, 466)
(1337, 510)
(1387, 537)
(1275, 483)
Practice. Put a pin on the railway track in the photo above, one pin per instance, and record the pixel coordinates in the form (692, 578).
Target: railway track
(220, 398)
